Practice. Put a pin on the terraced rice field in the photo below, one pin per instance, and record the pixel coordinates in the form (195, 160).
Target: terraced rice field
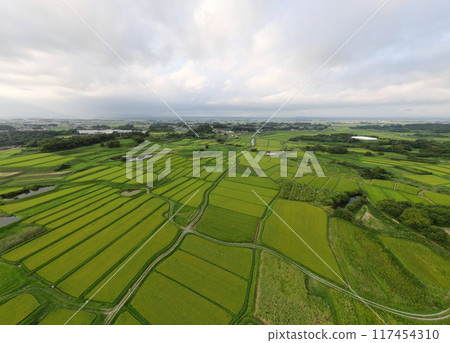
(35, 161)
(438, 198)
(429, 179)
(346, 185)
(376, 194)
(20, 206)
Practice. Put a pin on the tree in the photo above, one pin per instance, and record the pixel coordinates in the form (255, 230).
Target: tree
(113, 144)
(415, 218)
(126, 127)
(340, 199)
(204, 128)
(337, 149)
(138, 139)
(343, 214)
(392, 207)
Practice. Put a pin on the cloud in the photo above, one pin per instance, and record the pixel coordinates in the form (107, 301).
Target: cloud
(242, 58)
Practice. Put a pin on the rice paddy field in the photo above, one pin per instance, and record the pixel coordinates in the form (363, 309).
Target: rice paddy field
(214, 247)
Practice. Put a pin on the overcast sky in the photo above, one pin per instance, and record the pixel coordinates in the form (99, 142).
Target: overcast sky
(237, 58)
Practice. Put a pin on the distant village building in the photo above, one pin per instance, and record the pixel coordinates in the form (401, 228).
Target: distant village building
(97, 132)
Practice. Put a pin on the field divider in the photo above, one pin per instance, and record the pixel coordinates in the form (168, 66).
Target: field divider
(331, 284)
(199, 294)
(318, 256)
(71, 235)
(99, 204)
(59, 238)
(95, 201)
(201, 258)
(78, 197)
(124, 257)
(31, 201)
(120, 235)
(136, 276)
(144, 275)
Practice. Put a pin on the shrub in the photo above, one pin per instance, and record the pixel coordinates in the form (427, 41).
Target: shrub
(340, 199)
(113, 144)
(343, 214)
(355, 206)
(392, 207)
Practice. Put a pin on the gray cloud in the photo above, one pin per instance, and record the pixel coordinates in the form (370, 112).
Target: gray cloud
(224, 57)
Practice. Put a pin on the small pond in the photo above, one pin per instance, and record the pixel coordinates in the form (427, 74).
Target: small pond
(30, 193)
(8, 220)
(353, 199)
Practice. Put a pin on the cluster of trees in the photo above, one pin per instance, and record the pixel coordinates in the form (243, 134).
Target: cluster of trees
(426, 148)
(425, 219)
(295, 191)
(111, 144)
(273, 126)
(29, 138)
(348, 213)
(203, 131)
(100, 127)
(333, 149)
(7, 127)
(374, 173)
(58, 143)
(368, 172)
(126, 127)
(420, 127)
(333, 138)
(161, 127)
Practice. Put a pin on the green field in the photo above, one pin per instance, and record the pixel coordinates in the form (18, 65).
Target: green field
(284, 297)
(159, 296)
(127, 271)
(228, 225)
(203, 277)
(126, 318)
(17, 309)
(310, 223)
(60, 317)
(438, 198)
(90, 272)
(133, 254)
(433, 269)
(372, 271)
